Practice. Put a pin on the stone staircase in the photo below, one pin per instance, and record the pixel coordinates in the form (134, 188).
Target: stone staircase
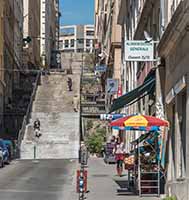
(59, 123)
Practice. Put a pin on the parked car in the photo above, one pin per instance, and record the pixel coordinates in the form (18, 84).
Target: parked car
(1, 159)
(6, 157)
(10, 147)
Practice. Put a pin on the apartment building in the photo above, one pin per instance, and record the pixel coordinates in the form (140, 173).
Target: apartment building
(77, 38)
(76, 43)
(174, 49)
(48, 34)
(18, 36)
(9, 53)
(31, 50)
(108, 43)
(2, 83)
(165, 24)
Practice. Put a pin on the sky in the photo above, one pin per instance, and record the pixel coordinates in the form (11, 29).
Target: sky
(77, 12)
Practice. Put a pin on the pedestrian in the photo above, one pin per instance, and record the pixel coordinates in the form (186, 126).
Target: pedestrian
(36, 127)
(119, 155)
(76, 103)
(69, 82)
(36, 124)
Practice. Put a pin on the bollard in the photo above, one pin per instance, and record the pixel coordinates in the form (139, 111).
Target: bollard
(34, 152)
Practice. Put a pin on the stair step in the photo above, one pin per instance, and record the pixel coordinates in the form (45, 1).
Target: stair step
(59, 123)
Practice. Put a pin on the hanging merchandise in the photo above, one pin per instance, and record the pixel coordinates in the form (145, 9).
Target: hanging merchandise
(146, 152)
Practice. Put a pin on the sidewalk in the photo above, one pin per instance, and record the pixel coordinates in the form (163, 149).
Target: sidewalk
(101, 182)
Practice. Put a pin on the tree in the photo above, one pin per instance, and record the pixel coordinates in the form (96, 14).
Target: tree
(95, 143)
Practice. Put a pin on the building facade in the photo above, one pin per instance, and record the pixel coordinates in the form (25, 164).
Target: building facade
(8, 51)
(48, 34)
(165, 24)
(76, 46)
(108, 43)
(174, 48)
(31, 50)
(18, 38)
(2, 83)
(135, 23)
(77, 38)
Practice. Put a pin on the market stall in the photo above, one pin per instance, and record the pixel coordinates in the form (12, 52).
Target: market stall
(143, 161)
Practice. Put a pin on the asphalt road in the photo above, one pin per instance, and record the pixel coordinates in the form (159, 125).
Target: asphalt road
(41, 180)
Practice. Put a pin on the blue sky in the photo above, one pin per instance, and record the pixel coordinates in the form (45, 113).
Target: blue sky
(77, 12)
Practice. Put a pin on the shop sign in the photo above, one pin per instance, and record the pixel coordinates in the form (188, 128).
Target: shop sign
(170, 96)
(111, 116)
(112, 86)
(180, 85)
(101, 68)
(139, 50)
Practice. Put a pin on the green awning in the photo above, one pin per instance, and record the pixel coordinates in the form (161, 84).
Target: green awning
(146, 88)
(140, 139)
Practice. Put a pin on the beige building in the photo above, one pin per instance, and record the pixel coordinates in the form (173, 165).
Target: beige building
(31, 28)
(49, 22)
(174, 49)
(108, 39)
(134, 23)
(166, 22)
(77, 38)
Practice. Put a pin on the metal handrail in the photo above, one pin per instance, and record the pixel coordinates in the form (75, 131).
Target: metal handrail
(28, 112)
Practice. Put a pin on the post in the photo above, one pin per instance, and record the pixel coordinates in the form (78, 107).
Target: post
(34, 151)
(139, 171)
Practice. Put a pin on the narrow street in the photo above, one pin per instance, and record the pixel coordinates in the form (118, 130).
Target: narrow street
(86, 83)
(102, 185)
(56, 180)
(40, 180)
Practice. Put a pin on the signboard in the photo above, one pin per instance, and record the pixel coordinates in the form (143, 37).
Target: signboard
(180, 85)
(139, 50)
(111, 116)
(170, 96)
(112, 86)
(101, 68)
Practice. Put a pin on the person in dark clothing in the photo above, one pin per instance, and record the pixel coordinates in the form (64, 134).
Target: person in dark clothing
(36, 126)
(69, 82)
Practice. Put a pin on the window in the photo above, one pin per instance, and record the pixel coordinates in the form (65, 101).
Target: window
(79, 50)
(182, 125)
(72, 43)
(66, 43)
(61, 44)
(90, 33)
(88, 42)
(80, 41)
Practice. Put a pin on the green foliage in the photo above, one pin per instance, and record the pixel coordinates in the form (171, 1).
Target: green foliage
(170, 198)
(95, 143)
(101, 131)
(89, 60)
